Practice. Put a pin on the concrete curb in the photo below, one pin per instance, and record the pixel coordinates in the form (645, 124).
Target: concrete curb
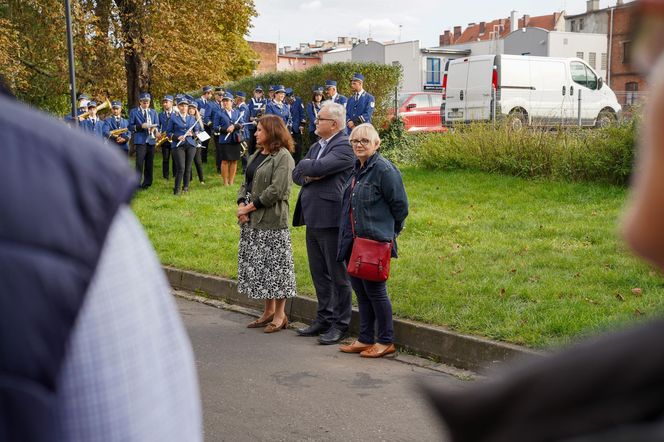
(462, 351)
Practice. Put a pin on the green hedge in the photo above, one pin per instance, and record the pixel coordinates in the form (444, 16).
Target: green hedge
(598, 155)
(380, 81)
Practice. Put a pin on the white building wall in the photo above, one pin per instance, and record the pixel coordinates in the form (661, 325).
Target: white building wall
(568, 44)
(488, 47)
(337, 56)
(408, 56)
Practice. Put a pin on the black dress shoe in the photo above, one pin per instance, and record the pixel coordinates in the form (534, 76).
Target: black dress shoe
(333, 336)
(314, 329)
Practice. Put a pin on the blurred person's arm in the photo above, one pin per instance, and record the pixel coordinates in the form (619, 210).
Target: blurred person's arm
(129, 373)
(644, 224)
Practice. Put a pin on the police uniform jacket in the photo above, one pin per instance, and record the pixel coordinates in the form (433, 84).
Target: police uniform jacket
(136, 119)
(213, 108)
(360, 107)
(298, 115)
(222, 121)
(256, 107)
(164, 117)
(95, 128)
(203, 106)
(178, 126)
(312, 114)
(113, 123)
(280, 109)
(340, 99)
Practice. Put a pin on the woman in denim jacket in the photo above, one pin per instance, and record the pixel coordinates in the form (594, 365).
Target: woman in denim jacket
(377, 196)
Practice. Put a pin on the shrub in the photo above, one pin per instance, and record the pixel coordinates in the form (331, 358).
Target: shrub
(380, 81)
(600, 155)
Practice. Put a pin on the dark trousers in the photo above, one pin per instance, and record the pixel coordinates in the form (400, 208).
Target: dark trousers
(183, 155)
(330, 278)
(375, 307)
(205, 144)
(166, 158)
(144, 163)
(217, 155)
(199, 164)
(297, 155)
(251, 148)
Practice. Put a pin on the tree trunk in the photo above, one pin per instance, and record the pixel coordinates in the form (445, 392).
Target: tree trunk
(138, 67)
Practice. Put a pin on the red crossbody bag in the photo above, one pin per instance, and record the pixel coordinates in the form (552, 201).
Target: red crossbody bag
(369, 259)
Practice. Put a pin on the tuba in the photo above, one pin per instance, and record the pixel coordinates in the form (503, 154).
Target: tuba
(105, 105)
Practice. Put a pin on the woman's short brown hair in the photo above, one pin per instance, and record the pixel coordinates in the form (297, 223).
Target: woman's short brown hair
(277, 134)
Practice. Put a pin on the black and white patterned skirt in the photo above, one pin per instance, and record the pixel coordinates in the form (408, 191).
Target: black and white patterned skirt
(265, 267)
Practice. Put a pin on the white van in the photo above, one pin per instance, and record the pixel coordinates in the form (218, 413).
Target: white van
(528, 90)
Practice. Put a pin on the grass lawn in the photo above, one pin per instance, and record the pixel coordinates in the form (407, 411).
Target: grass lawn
(528, 262)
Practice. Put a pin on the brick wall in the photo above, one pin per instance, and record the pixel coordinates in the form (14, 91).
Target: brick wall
(267, 53)
(624, 76)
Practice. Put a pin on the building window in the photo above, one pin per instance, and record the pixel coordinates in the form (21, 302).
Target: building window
(592, 60)
(579, 55)
(631, 92)
(581, 24)
(604, 61)
(627, 52)
(433, 71)
(573, 25)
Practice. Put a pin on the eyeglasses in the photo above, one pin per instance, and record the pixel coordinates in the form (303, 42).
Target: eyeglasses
(363, 142)
(324, 119)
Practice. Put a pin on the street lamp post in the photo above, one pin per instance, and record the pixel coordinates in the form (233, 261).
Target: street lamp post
(72, 71)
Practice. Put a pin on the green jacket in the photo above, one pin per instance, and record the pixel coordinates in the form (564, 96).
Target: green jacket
(272, 184)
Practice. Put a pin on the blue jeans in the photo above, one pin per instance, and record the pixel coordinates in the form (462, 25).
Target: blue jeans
(375, 307)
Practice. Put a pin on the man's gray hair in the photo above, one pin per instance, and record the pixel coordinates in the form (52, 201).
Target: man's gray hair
(337, 112)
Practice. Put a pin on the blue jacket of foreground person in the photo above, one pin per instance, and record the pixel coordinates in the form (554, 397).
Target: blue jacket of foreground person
(379, 203)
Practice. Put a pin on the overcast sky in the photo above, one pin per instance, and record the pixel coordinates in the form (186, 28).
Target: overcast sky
(290, 22)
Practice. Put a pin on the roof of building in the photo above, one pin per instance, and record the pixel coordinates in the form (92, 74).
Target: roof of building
(502, 25)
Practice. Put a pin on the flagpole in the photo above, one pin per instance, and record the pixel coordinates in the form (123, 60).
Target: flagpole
(72, 71)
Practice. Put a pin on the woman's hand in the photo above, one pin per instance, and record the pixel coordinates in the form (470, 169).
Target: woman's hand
(243, 210)
(230, 129)
(181, 138)
(243, 219)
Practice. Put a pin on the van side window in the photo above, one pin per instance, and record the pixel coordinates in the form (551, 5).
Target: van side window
(579, 73)
(591, 79)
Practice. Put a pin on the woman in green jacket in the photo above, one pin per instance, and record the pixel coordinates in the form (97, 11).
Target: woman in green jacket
(265, 256)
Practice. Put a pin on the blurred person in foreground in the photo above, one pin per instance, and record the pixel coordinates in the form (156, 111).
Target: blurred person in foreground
(91, 345)
(609, 389)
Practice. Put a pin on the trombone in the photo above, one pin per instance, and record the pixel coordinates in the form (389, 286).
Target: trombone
(105, 105)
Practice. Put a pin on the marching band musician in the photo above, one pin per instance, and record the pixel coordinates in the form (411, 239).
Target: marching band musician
(298, 120)
(115, 122)
(270, 93)
(240, 105)
(228, 123)
(166, 151)
(83, 100)
(203, 102)
(360, 106)
(143, 123)
(312, 112)
(181, 128)
(256, 110)
(198, 163)
(93, 124)
(332, 94)
(215, 107)
(278, 107)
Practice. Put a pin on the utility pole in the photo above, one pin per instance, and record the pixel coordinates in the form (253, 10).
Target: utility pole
(72, 70)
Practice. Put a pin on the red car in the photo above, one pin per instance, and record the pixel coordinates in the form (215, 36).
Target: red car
(420, 111)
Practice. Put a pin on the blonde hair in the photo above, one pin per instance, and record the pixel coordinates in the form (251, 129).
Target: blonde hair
(365, 130)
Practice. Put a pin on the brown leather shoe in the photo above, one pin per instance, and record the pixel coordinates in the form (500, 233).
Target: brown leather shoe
(259, 324)
(272, 327)
(355, 347)
(373, 352)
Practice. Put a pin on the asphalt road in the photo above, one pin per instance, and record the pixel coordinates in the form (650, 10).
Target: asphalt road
(283, 387)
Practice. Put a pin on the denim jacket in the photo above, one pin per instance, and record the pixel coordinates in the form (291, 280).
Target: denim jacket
(379, 203)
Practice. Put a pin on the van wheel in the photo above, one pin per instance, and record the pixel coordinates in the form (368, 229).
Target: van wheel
(605, 118)
(516, 120)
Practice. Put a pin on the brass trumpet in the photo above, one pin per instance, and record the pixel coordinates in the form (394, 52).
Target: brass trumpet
(105, 105)
(162, 140)
(116, 132)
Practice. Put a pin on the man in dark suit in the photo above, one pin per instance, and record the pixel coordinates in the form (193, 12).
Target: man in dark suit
(322, 174)
(144, 123)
